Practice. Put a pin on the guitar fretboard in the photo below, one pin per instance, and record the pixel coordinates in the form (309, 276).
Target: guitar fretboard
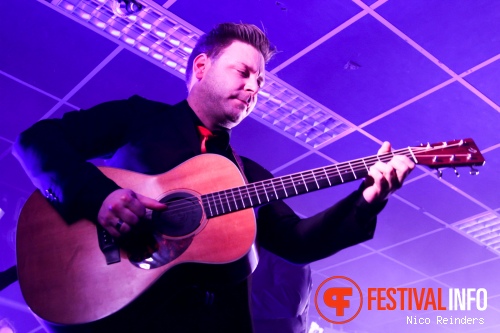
(262, 192)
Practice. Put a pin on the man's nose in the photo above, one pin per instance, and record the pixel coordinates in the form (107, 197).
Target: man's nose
(252, 86)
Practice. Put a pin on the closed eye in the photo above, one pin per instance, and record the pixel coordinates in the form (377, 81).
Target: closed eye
(244, 73)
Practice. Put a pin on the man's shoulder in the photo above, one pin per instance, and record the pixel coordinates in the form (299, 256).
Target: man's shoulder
(139, 101)
(254, 171)
(250, 162)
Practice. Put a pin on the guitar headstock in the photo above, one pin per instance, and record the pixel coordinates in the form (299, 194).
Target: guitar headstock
(455, 153)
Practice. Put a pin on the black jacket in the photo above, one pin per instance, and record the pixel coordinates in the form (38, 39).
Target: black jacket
(151, 138)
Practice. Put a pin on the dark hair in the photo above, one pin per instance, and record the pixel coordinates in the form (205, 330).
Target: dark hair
(220, 37)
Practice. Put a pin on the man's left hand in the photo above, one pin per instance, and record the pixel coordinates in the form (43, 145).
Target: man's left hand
(385, 178)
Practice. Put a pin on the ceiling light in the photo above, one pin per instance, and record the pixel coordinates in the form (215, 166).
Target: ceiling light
(155, 33)
(125, 7)
(484, 229)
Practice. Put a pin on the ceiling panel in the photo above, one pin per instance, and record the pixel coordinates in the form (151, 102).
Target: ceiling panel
(388, 70)
(351, 147)
(53, 50)
(439, 246)
(483, 187)
(460, 34)
(450, 113)
(350, 253)
(291, 25)
(400, 222)
(369, 2)
(126, 75)
(481, 275)
(16, 99)
(13, 175)
(485, 80)
(248, 140)
(360, 75)
(357, 269)
(434, 197)
(494, 301)
(11, 200)
(5, 147)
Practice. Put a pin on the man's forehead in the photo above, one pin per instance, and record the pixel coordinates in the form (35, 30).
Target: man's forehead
(244, 53)
(252, 66)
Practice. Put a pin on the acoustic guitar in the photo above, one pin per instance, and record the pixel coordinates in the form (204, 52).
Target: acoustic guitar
(65, 279)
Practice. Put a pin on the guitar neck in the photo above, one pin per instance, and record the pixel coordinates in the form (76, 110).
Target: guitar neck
(262, 192)
(445, 154)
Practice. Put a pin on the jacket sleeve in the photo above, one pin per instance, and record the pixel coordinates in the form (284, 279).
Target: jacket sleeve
(55, 153)
(349, 222)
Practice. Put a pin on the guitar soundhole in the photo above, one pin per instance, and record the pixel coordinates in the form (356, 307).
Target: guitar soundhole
(183, 216)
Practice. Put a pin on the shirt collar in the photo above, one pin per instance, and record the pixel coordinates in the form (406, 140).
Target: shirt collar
(222, 137)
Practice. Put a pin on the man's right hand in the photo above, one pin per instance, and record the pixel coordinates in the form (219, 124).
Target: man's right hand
(123, 208)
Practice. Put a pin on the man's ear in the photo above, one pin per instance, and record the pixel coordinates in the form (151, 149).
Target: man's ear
(200, 65)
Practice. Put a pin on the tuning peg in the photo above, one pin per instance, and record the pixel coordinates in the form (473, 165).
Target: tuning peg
(440, 173)
(473, 171)
(456, 172)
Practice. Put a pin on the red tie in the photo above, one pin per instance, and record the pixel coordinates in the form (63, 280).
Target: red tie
(205, 134)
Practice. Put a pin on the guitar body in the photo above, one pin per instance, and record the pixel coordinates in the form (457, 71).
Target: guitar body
(65, 279)
(63, 274)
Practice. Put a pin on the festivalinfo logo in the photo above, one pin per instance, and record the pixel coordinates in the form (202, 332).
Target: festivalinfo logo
(339, 300)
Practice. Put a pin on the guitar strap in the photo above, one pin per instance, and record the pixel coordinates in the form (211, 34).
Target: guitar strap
(239, 162)
(108, 245)
(8, 277)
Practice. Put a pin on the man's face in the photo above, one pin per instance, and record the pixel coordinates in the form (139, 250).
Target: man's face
(230, 83)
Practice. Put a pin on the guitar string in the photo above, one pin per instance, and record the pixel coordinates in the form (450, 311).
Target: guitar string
(282, 184)
(260, 187)
(346, 167)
